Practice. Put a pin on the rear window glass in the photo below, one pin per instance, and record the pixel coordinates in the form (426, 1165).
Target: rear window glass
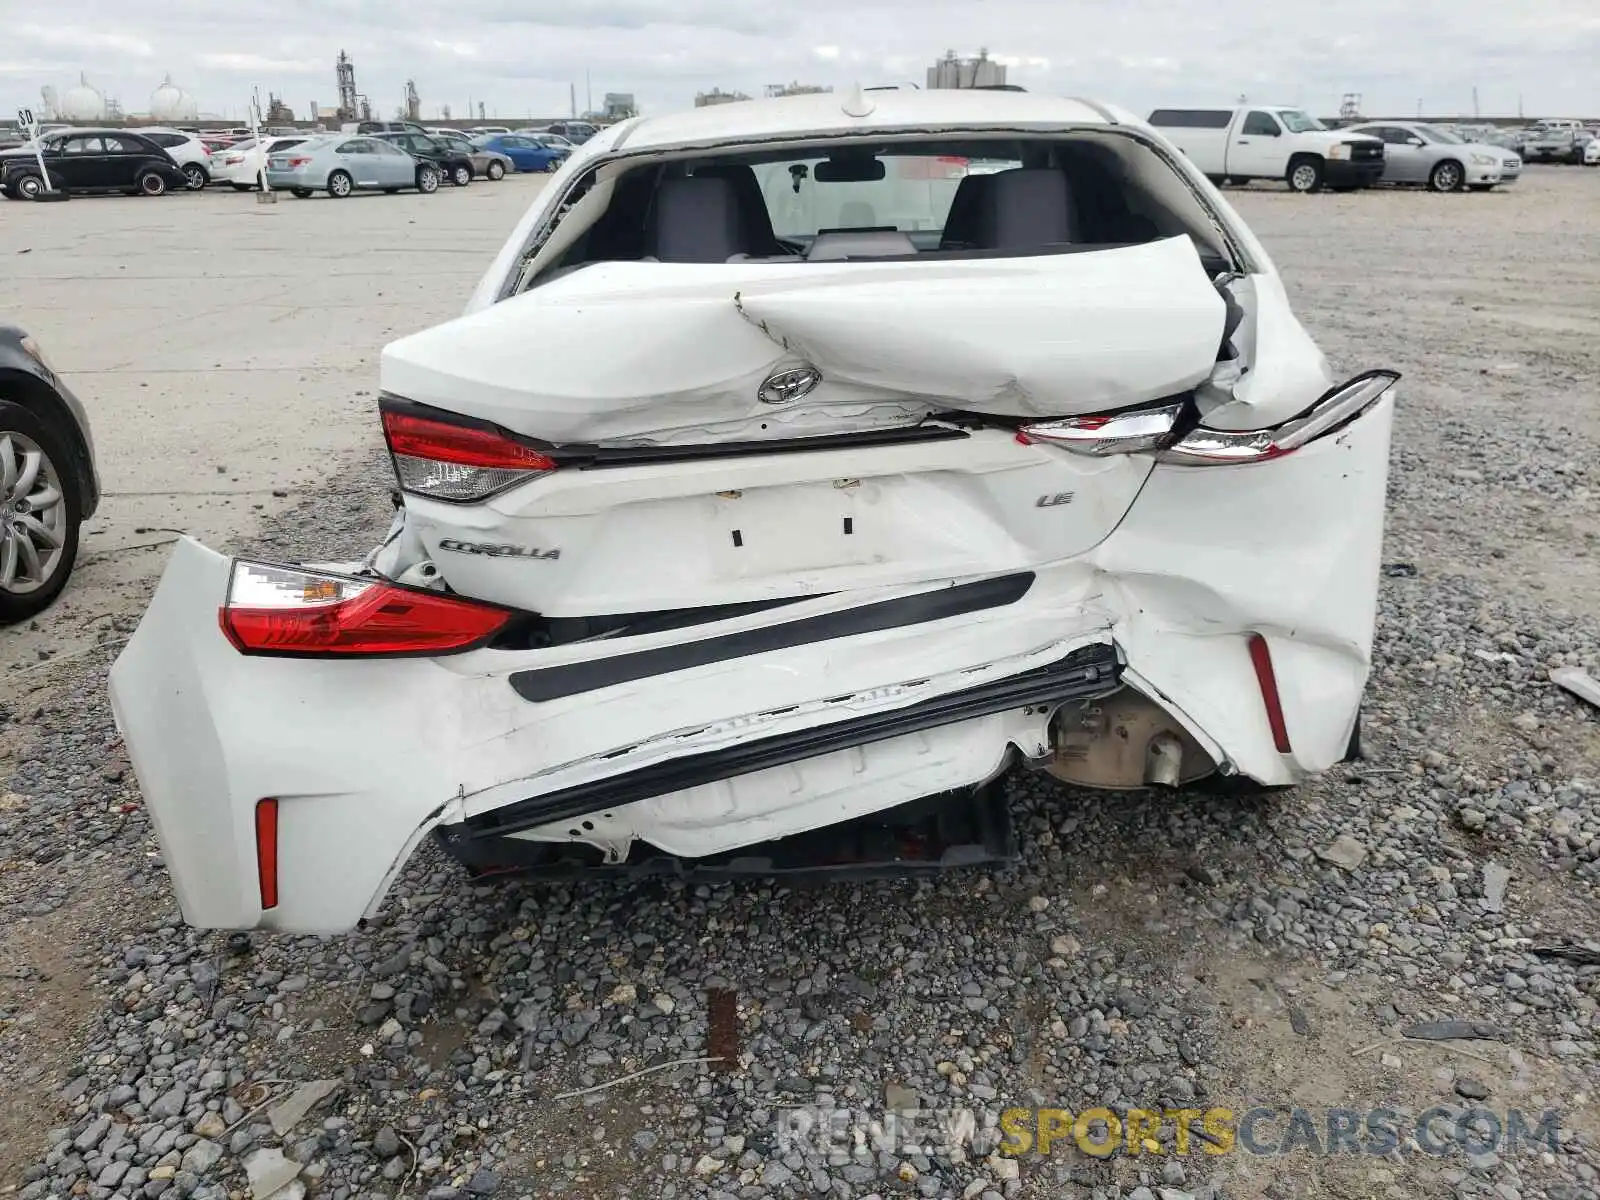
(900, 198)
(914, 194)
(1192, 118)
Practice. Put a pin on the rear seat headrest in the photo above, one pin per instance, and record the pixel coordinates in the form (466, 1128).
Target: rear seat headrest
(1026, 209)
(961, 223)
(696, 220)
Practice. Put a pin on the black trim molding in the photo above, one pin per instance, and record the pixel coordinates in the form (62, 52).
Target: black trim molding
(572, 679)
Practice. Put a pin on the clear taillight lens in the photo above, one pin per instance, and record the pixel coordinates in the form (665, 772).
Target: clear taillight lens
(1203, 447)
(1170, 432)
(1108, 433)
(443, 460)
(288, 611)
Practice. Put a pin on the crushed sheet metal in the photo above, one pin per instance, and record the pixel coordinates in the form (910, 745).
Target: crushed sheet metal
(687, 346)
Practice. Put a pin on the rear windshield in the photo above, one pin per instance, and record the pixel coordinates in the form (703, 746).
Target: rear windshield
(906, 198)
(913, 195)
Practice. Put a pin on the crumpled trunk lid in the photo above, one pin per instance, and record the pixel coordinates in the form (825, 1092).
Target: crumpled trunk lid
(648, 353)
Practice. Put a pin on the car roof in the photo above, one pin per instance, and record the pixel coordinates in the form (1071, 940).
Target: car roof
(824, 114)
(77, 129)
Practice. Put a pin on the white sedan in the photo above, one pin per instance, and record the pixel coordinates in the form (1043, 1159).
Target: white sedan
(852, 527)
(240, 164)
(1591, 152)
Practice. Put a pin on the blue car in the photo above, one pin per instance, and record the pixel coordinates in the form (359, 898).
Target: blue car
(527, 153)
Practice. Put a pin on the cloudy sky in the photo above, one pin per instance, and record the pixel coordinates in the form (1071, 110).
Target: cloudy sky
(521, 56)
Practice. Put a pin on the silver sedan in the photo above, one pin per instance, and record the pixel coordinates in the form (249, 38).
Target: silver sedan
(339, 165)
(490, 164)
(1416, 152)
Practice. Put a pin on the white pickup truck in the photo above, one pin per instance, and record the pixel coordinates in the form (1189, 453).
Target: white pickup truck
(1267, 142)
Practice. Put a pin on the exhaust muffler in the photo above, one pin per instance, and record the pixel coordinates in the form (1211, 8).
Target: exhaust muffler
(1122, 742)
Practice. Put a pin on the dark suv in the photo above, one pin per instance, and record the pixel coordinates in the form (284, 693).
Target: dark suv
(91, 160)
(453, 164)
(576, 132)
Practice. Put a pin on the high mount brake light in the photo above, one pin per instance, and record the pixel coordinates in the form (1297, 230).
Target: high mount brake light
(287, 611)
(445, 461)
(1157, 429)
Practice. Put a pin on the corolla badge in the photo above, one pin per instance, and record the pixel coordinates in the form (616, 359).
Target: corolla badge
(785, 387)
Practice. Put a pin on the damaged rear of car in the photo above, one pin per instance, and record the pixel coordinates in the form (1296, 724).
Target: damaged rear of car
(892, 444)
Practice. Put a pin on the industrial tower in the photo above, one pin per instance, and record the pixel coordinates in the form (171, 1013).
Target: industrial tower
(345, 72)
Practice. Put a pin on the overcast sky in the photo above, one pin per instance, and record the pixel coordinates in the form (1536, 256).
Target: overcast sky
(520, 56)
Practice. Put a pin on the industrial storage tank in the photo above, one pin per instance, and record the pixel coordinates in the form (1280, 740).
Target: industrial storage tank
(82, 104)
(170, 104)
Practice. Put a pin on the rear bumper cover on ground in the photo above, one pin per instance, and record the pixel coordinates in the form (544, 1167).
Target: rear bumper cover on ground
(366, 758)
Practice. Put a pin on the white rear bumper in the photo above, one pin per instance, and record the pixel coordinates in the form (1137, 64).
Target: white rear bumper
(365, 757)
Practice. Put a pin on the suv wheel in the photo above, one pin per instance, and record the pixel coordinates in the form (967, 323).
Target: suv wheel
(196, 175)
(427, 180)
(39, 513)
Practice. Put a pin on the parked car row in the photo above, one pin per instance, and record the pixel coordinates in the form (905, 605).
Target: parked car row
(1237, 145)
(152, 162)
(1555, 140)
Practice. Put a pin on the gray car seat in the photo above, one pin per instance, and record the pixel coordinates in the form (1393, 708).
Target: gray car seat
(696, 220)
(1022, 209)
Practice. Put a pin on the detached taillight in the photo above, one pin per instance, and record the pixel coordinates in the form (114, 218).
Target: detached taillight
(289, 611)
(444, 460)
(1108, 433)
(1203, 447)
(1172, 432)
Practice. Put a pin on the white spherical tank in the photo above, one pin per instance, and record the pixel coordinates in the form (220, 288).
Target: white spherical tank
(170, 103)
(82, 104)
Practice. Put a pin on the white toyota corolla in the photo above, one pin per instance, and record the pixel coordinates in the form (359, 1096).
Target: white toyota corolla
(898, 437)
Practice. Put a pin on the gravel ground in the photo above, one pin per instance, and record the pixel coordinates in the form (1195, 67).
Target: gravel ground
(1148, 951)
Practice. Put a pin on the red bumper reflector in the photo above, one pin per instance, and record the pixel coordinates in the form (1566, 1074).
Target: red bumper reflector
(267, 851)
(1267, 680)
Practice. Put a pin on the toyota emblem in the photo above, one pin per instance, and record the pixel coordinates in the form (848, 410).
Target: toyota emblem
(785, 387)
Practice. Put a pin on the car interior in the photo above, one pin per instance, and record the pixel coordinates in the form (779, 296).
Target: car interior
(901, 200)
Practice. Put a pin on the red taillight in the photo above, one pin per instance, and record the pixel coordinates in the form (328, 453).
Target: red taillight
(467, 446)
(446, 461)
(267, 851)
(298, 162)
(1267, 680)
(283, 610)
